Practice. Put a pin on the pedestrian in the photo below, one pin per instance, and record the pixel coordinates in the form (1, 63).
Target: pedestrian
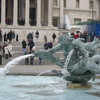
(45, 46)
(45, 38)
(5, 37)
(10, 36)
(50, 44)
(9, 47)
(32, 57)
(24, 44)
(27, 59)
(17, 37)
(0, 35)
(40, 61)
(13, 36)
(31, 44)
(4, 45)
(54, 37)
(0, 55)
(37, 34)
(6, 52)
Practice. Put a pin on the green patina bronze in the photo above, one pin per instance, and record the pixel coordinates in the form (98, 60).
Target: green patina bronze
(81, 60)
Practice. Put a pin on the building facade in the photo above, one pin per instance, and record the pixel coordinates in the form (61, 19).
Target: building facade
(41, 14)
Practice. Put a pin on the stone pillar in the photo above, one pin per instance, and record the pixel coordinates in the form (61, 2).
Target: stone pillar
(38, 13)
(3, 3)
(61, 13)
(50, 13)
(15, 12)
(27, 11)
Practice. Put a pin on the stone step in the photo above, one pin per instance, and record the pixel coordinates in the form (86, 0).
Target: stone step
(19, 48)
(36, 62)
(36, 43)
(20, 53)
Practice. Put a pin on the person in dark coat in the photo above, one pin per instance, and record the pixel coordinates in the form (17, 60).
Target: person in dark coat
(54, 37)
(17, 38)
(5, 37)
(37, 34)
(32, 57)
(13, 36)
(0, 35)
(31, 44)
(10, 35)
(0, 55)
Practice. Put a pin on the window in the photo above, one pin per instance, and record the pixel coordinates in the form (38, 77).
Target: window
(77, 3)
(77, 20)
(55, 2)
(90, 4)
(65, 3)
(55, 22)
(32, 1)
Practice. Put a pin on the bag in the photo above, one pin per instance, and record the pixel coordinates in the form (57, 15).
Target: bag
(33, 48)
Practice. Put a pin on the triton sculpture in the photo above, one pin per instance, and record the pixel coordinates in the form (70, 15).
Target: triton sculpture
(81, 60)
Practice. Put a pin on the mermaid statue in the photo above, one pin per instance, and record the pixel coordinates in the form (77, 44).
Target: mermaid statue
(81, 60)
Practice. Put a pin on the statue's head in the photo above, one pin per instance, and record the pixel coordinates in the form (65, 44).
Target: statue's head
(65, 39)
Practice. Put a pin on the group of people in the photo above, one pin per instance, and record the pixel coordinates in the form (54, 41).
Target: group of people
(28, 47)
(10, 36)
(6, 51)
(87, 37)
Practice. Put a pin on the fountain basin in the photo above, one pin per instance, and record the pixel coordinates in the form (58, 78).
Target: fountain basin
(44, 88)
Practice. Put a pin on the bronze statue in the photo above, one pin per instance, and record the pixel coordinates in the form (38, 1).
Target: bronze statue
(80, 59)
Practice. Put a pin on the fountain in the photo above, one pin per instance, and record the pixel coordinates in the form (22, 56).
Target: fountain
(80, 60)
(80, 64)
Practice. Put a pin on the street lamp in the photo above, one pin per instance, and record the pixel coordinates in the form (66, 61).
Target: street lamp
(92, 15)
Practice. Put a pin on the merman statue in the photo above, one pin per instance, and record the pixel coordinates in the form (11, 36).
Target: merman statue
(81, 59)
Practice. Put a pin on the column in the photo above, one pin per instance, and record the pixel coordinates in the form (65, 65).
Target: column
(3, 3)
(38, 12)
(15, 12)
(50, 13)
(61, 13)
(27, 11)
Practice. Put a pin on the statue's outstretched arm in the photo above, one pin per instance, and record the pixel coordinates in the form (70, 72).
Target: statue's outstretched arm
(55, 49)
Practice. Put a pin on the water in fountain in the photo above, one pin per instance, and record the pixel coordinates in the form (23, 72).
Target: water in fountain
(9, 65)
(44, 72)
(64, 70)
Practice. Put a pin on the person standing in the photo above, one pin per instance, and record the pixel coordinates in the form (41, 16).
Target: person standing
(54, 37)
(0, 35)
(6, 52)
(10, 35)
(37, 34)
(17, 38)
(24, 44)
(45, 38)
(9, 47)
(4, 45)
(0, 55)
(27, 59)
(31, 44)
(5, 37)
(32, 57)
(13, 36)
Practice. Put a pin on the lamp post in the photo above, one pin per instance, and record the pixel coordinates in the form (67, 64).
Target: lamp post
(92, 15)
